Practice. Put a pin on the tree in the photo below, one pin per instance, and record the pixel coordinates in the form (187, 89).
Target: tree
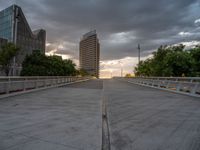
(38, 64)
(83, 72)
(178, 63)
(195, 54)
(34, 65)
(144, 68)
(171, 61)
(128, 75)
(7, 54)
(70, 67)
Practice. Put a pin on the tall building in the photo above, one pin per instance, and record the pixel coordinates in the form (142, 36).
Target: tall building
(15, 28)
(89, 53)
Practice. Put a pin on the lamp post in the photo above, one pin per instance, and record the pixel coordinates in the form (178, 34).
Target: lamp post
(121, 64)
(138, 53)
(111, 73)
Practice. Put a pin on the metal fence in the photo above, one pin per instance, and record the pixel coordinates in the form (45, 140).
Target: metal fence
(9, 85)
(184, 85)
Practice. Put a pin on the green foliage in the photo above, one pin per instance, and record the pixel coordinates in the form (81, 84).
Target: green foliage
(7, 54)
(83, 72)
(38, 64)
(128, 75)
(171, 61)
(195, 54)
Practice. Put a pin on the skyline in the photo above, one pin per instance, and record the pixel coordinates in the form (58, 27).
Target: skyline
(120, 30)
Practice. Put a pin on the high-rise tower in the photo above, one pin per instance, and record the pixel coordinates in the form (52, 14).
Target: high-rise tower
(90, 53)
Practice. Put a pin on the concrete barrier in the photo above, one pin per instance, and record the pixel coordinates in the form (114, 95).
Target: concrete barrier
(15, 85)
(184, 85)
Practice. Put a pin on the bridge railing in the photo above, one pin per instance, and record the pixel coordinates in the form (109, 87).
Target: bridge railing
(9, 85)
(185, 85)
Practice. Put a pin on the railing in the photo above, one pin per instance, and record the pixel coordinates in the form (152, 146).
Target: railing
(184, 85)
(10, 85)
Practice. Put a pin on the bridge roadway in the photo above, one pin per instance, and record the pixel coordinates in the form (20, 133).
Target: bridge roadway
(70, 117)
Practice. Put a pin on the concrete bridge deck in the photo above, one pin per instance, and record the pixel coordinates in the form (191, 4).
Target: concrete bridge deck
(70, 117)
(142, 118)
(65, 118)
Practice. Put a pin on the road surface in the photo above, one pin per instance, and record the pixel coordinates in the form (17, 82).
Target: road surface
(70, 118)
(65, 118)
(142, 118)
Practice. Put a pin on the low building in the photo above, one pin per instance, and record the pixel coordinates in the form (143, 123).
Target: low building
(15, 28)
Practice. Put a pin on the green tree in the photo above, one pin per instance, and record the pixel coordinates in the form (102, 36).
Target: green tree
(7, 54)
(55, 66)
(178, 63)
(35, 65)
(83, 72)
(195, 54)
(144, 68)
(128, 75)
(70, 67)
(38, 64)
(171, 61)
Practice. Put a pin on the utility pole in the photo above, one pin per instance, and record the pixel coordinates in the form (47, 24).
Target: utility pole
(138, 53)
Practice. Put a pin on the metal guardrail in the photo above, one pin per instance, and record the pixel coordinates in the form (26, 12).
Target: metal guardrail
(10, 85)
(184, 85)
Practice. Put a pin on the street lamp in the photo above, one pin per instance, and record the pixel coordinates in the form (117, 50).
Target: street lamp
(111, 72)
(138, 54)
(121, 64)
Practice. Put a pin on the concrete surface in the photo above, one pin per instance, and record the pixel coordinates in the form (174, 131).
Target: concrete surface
(70, 118)
(55, 119)
(142, 118)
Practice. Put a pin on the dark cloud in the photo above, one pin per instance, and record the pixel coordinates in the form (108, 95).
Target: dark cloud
(121, 24)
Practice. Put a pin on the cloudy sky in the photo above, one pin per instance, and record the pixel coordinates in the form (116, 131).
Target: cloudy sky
(121, 25)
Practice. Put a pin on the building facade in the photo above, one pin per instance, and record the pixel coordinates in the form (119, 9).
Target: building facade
(2, 42)
(89, 53)
(15, 28)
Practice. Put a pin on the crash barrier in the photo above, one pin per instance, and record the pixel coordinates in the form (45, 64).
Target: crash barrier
(184, 85)
(9, 85)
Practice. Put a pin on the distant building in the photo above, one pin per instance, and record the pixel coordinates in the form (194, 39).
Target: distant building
(90, 53)
(15, 28)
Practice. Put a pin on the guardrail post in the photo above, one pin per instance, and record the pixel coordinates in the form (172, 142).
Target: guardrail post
(159, 83)
(167, 84)
(44, 83)
(8, 86)
(178, 86)
(56, 81)
(193, 91)
(24, 85)
(52, 81)
(36, 84)
(152, 84)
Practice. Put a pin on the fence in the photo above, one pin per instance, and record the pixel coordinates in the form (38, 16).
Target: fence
(10, 85)
(184, 85)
